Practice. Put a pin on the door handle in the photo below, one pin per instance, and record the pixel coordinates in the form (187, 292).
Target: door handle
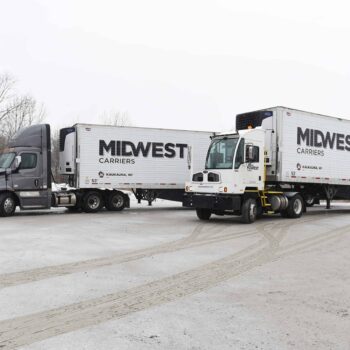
(36, 182)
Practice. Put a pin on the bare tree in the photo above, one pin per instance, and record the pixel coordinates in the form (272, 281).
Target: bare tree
(116, 118)
(6, 94)
(16, 111)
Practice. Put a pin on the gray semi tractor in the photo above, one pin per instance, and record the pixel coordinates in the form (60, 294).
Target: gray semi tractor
(102, 165)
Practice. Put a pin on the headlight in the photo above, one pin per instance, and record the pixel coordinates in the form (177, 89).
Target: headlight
(188, 188)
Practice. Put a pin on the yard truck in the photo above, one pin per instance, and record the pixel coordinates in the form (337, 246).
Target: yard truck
(102, 165)
(278, 160)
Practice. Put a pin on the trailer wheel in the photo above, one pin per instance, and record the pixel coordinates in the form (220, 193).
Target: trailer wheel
(115, 201)
(203, 214)
(295, 208)
(7, 204)
(249, 211)
(92, 202)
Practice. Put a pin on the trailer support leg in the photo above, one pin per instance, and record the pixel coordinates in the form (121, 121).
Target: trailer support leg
(330, 192)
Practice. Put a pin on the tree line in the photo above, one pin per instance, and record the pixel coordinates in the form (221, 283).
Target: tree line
(18, 111)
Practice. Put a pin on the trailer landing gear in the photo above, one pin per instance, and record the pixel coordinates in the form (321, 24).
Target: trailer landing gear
(148, 195)
(330, 192)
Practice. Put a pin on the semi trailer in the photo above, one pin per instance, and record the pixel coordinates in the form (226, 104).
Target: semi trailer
(102, 165)
(278, 160)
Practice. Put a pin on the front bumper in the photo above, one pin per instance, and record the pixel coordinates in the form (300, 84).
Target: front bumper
(218, 202)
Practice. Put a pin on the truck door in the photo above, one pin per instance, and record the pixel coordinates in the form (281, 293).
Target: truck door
(254, 165)
(28, 181)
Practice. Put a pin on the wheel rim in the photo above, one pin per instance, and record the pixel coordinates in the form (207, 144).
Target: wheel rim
(9, 205)
(117, 201)
(94, 202)
(297, 206)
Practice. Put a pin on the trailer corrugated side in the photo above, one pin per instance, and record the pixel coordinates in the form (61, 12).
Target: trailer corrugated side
(133, 157)
(312, 148)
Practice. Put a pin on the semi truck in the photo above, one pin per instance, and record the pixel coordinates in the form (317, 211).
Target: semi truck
(278, 160)
(102, 165)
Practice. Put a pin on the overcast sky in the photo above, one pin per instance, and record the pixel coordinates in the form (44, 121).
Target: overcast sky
(177, 64)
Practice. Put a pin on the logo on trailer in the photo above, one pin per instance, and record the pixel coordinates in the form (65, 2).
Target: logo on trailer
(125, 152)
(101, 174)
(299, 166)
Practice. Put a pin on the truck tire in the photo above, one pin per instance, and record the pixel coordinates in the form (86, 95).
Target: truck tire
(203, 214)
(92, 202)
(249, 211)
(115, 201)
(295, 208)
(7, 204)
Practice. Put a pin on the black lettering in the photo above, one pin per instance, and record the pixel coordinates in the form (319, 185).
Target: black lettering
(169, 148)
(157, 150)
(340, 141)
(141, 148)
(329, 140)
(347, 141)
(303, 136)
(125, 153)
(108, 148)
(118, 148)
(318, 143)
(181, 146)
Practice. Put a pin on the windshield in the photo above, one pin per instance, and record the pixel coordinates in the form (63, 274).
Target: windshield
(220, 154)
(6, 160)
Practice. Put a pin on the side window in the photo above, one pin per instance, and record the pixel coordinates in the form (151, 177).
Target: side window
(29, 161)
(254, 158)
(255, 154)
(240, 154)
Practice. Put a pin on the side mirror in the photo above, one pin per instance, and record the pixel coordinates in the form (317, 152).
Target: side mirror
(249, 157)
(17, 162)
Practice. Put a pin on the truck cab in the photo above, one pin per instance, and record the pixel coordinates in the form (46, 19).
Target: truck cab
(25, 178)
(234, 164)
(233, 181)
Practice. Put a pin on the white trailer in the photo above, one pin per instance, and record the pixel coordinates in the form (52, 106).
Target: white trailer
(100, 162)
(279, 160)
(152, 163)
